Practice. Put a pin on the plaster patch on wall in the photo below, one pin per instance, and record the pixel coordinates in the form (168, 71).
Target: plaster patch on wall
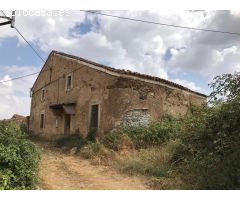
(137, 117)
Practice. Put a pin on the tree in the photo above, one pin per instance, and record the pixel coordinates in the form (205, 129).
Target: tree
(210, 154)
(225, 87)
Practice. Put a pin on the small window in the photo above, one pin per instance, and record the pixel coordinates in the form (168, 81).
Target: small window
(43, 94)
(69, 82)
(42, 119)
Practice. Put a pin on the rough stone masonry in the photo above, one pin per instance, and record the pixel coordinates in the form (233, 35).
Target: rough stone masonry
(72, 94)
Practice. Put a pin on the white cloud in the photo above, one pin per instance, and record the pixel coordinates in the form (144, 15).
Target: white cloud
(208, 62)
(235, 12)
(145, 41)
(5, 81)
(15, 94)
(125, 44)
(211, 54)
(174, 52)
(137, 46)
(189, 84)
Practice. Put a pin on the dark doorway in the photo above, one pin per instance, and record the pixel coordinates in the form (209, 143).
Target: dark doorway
(42, 120)
(67, 124)
(94, 117)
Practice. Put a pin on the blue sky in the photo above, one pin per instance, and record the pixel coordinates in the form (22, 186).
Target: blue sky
(14, 54)
(190, 58)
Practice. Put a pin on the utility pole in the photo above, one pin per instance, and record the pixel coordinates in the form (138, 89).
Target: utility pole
(8, 20)
(13, 19)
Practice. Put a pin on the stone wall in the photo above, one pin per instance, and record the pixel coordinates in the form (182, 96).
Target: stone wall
(122, 101)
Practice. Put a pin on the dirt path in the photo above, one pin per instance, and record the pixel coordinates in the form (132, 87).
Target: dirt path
(62, 171)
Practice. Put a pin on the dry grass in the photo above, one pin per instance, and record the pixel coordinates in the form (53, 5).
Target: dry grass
(61, 171)
(98, 154)
(152, 163)
(163, 183)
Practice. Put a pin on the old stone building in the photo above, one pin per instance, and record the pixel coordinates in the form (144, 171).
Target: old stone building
(73, 94)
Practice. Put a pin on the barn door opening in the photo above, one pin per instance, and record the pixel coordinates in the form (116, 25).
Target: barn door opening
(67, 124)
(94, 120)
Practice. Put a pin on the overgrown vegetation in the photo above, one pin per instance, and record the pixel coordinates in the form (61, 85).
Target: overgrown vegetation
(133, 150)
(209, 157)
(156, 134)
(92, 135)
(199, 151)
(98, 153)
(147, 151)
(117, 141)
(150, 161)
(18, 159)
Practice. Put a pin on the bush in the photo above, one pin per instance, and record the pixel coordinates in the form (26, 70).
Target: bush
(156, 134)
(209, 156)
(73, 140)
(92, 135)
(24, 128)
(91, 149)
(18, 159)
(117, 141)
(97, 153)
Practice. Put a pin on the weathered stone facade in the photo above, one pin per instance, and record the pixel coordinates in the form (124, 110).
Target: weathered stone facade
(73, 94)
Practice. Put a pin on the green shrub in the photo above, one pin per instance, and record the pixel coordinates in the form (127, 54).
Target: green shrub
(97, 153)
(117, 141)
(92, 135)
(156, 134)
(24, 128)
(73, 140)
(209, 155)
(91, 149)
(18, 159)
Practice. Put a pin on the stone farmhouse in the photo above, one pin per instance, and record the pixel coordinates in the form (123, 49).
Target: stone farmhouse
(74, 94)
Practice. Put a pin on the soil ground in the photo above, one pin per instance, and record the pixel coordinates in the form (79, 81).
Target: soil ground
(61, 171)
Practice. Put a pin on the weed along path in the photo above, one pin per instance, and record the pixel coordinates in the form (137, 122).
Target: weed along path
(61, 171)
